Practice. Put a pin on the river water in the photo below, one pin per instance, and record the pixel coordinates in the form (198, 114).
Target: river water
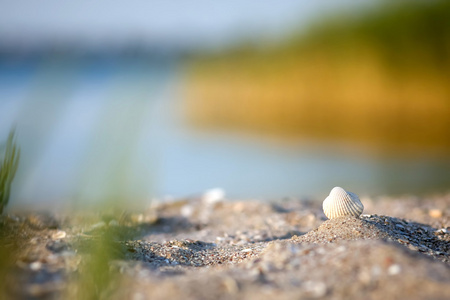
(107, 128)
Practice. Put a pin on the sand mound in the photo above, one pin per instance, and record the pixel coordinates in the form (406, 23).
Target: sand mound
(416, 236)
(232, 250)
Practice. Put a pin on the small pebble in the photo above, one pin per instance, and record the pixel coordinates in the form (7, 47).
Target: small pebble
(35, 266)
(435, 213)
(230, 285)
(394, 269)
(60, 234)
(315, 289)
(442, 231)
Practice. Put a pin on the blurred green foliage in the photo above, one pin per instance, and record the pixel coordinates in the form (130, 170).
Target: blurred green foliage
(399, 31)
(99, 246)
(96, 274)
(8, 168)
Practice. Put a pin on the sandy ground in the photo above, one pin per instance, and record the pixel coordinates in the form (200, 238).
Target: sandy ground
(202, 249)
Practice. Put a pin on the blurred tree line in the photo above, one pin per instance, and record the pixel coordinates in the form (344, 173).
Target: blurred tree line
(380, 77)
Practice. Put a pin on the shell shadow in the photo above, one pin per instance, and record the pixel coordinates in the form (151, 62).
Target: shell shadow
(416, 236)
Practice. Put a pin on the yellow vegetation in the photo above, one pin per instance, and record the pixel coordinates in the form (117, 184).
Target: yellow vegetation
(348, 92)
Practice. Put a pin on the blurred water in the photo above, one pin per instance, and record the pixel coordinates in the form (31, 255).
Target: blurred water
(95, 129)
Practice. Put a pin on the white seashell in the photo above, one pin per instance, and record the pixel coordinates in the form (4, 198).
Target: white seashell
(341, 203)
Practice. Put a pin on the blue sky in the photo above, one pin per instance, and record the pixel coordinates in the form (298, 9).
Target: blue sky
(168, 23)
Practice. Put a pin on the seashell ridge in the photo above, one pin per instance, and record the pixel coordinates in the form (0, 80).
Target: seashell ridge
(341, 203)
